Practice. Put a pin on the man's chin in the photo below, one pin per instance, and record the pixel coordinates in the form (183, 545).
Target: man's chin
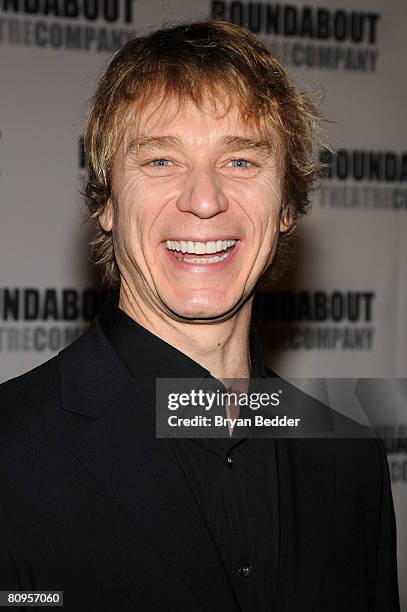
(199, 309)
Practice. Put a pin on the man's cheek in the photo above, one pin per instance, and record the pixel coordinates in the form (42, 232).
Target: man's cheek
(128, 188)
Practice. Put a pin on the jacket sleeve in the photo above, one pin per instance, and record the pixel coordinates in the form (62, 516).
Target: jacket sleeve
(387, 594)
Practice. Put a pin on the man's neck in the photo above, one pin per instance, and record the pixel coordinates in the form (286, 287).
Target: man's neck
(222, 348)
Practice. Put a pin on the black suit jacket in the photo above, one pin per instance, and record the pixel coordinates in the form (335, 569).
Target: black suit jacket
(93, 504)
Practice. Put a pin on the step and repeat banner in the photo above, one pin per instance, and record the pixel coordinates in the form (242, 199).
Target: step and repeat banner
(339, 312)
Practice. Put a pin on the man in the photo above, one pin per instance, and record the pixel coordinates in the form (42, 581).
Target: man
(200, 155)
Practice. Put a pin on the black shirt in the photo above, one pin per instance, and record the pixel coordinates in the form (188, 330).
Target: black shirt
(233, 479)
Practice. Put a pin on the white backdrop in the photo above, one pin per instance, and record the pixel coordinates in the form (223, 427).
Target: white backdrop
(347, 296)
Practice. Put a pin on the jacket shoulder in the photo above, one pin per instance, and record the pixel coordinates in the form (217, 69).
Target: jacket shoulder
(27, 398)
(82, 379)
(24, 397)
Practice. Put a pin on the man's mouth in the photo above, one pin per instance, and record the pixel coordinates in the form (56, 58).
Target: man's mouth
(210, 252)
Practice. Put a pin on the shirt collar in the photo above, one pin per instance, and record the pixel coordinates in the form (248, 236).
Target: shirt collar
(147, 355)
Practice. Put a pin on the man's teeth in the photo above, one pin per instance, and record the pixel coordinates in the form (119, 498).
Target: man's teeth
(199, 248)
(222, 248)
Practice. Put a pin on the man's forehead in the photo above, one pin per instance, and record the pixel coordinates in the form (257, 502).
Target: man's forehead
(175, 124)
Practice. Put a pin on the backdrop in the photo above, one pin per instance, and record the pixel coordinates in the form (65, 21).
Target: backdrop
(340, 311)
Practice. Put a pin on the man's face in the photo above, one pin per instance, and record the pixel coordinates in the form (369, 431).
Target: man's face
(195, 211)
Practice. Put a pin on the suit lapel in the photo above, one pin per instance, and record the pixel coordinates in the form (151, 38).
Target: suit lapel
(306, 485)
(137, 470)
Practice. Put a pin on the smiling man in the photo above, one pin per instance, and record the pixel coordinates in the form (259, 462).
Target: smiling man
(199, 161)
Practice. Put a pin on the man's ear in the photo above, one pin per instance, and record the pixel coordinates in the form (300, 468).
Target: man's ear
(106, 216)
(286, 220)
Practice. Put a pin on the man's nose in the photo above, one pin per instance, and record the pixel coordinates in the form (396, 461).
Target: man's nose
(202, 194)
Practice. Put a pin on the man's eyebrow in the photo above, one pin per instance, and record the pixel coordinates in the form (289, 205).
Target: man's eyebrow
(228, 143)
(151, 142)
(241, 142)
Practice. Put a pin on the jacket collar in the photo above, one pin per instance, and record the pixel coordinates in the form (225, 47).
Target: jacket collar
(92, 374)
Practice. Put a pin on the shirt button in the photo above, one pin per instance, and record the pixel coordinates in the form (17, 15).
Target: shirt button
(229, 461)
(245, 570)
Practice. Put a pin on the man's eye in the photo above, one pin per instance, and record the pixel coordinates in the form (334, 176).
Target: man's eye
(240, 163)
(160, 162)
